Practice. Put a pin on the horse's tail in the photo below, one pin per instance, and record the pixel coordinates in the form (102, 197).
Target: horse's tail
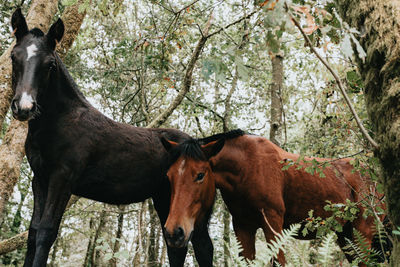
(381, 241)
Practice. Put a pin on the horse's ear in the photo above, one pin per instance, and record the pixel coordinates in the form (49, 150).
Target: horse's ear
(213, 148)
(168, 144)
(18, 24)
(55, 33)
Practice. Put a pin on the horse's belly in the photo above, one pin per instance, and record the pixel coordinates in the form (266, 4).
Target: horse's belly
(115, 189)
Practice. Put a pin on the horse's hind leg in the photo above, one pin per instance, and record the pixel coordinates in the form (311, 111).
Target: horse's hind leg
(202, 244)
(57, 199)
(273, 225)
(361, 225)
(39, 188)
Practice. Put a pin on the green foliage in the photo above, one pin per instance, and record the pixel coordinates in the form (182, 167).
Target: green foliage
(266, 251)
(359, 249)
(325, 251)
(339, 212)
(311, 166)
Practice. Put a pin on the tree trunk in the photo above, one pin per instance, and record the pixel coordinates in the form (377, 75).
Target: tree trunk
(275, 131)
(152, 253)
(379, 24)
(11, 155)
(90, 247)
(118, 236)
(95, 254)
(227, 230)
(12, 149)
(141, 237)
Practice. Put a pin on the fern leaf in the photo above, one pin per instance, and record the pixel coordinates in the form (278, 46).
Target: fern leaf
(325, 256)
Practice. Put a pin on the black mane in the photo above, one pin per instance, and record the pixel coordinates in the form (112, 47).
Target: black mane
(228, 135)
(70, 80)
(192, 148)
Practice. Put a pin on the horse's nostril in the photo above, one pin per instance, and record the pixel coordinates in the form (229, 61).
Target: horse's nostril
(179, 233)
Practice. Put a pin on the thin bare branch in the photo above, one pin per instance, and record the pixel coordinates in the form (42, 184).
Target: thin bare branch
(338, 81)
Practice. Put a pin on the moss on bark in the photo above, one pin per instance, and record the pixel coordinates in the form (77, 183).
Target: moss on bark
(379, 24)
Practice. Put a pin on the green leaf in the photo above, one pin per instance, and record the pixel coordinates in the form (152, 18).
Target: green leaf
(360, 50)
(285, 168)
(345, 46)
(353, 210)
(304, 232)
(396, 232)
(108, 256)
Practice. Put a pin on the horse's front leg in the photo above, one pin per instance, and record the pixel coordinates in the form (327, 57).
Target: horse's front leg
(202, 244)
(247, 238)
(176, 256)
(39, 188)
(57, 198)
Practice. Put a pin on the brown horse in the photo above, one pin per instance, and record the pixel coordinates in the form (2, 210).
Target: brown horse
(259, 194)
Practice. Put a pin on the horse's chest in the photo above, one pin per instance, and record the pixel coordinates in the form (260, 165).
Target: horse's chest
(40, 148)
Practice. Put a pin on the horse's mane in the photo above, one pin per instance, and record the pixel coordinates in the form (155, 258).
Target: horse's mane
(228, 135)
(36, 32)
(192, 148)
(70, 80)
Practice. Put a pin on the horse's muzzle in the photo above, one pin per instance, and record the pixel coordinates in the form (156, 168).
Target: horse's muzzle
(23, 110)
(176, 238)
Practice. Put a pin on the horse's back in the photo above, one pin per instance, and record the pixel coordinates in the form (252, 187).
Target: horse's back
(118, 163)
(293, 191)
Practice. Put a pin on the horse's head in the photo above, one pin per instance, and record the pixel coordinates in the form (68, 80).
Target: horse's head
(192, 187)
(33, 61)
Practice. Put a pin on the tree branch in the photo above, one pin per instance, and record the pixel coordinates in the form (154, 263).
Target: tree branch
(19, 241)
(338, 81)
(233, 23)
(187, 82)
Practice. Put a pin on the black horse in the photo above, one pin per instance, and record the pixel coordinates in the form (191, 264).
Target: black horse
(73, 149)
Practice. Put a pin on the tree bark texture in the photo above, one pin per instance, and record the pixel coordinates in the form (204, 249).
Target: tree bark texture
(11, 154)
(118, 235)
(12, 149)
(13, 243)
(152, 253)
(227, 230)
(275, 131)
(379, 25)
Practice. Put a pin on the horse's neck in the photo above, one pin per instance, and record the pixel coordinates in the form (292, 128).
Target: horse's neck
(63, 94)
(227, 168)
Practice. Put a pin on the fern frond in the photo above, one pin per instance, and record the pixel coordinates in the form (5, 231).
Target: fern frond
(266, 251)
(325, 256)
(235, 248)
(360, 251)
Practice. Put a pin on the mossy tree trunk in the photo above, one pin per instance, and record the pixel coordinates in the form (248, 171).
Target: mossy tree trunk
(379, 25)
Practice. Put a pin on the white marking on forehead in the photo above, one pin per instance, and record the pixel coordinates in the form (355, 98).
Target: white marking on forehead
(26, 101)
(181, 169)
(31, 50)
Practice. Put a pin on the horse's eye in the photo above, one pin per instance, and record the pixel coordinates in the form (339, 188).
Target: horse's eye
(200, 177)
